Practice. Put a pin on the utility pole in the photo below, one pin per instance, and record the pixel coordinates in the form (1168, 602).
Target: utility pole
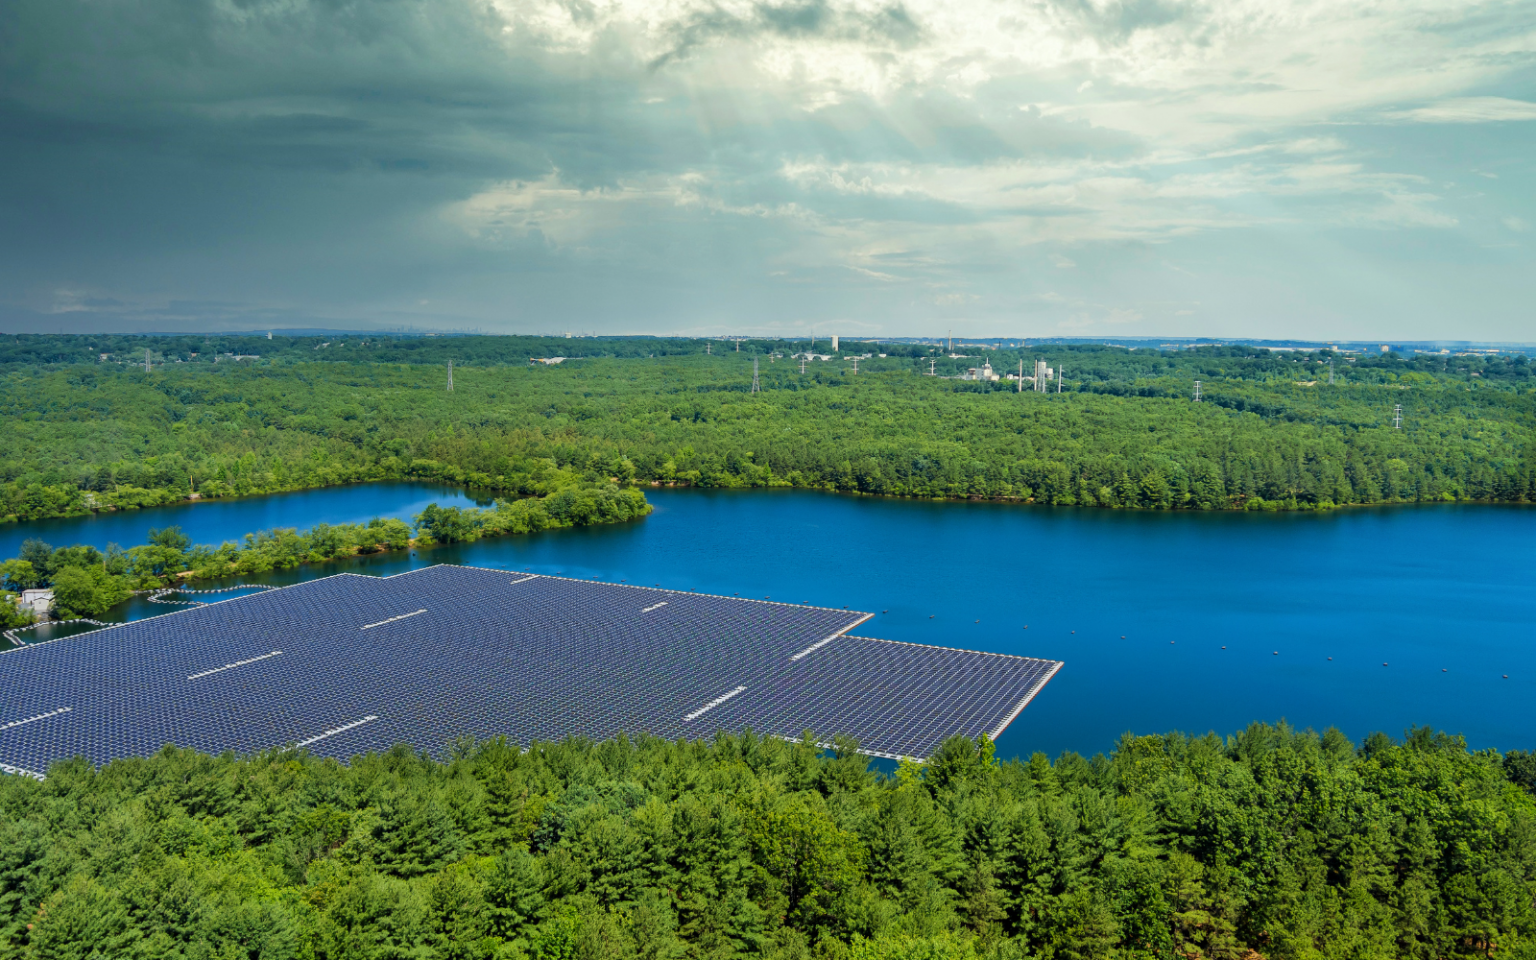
(1397, 417)
(1197, 391)
(755, 387)
(450, 376)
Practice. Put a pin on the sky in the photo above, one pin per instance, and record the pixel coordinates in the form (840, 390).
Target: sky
(1032, 168)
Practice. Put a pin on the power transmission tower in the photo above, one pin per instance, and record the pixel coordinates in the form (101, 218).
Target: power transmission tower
(931, 362)
(1397, 417)
(146, 359)
(1330, 373)
(755, 387)
(1197, 391)
(709, 349)
(738, 348)
(1060, 372)
(1021, 376)
(855, 366)
(450, 376)
(802, 363)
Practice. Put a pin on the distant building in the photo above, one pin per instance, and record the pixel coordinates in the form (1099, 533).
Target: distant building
(983, 372)
(547, 361)
(834, 344)
(38, 601)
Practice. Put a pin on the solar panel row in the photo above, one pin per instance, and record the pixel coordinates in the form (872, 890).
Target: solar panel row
(352, 663)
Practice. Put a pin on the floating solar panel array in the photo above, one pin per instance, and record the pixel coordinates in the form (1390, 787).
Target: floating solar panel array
(352, 663)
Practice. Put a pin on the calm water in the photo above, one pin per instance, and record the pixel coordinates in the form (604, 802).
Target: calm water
(214, 521)
(1139, 605)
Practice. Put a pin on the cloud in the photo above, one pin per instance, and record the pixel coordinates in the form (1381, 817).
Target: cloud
(643, 161)
(1471, 110)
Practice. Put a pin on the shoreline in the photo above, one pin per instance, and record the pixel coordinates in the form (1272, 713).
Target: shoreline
(1247, 504)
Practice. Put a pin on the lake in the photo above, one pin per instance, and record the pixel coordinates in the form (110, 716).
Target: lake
(1368, 619)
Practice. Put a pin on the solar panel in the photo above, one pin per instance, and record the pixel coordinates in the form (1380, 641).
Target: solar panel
(352, 663)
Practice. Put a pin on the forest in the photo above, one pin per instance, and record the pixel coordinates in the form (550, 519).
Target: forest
(1271, 843)
(1121, 429)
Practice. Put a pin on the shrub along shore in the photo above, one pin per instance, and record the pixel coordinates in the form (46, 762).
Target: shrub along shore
(86, 582)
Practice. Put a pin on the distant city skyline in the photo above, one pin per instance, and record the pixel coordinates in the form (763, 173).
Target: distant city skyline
(1150, 168)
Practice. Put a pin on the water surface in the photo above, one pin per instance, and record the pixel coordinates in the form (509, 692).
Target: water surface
(1190, 622)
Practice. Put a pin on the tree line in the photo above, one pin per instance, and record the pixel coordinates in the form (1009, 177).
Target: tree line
(1271, 843)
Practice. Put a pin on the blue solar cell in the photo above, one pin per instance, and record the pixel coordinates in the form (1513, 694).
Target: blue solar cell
(352, 663)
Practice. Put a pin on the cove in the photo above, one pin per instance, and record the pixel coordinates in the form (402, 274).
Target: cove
(214, 521)
(1139, 605)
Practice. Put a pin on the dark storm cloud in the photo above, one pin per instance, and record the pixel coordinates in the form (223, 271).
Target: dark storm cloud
(713, 164)
(891, 25)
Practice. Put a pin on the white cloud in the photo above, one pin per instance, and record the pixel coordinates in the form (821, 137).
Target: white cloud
(1517, 224)
(1471, 110)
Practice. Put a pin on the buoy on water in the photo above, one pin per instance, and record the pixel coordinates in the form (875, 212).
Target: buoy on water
(978, 621)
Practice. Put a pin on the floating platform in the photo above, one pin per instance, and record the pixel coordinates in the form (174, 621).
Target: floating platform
(351, 663)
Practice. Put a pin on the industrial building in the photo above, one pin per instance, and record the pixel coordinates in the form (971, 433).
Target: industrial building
(352, 663)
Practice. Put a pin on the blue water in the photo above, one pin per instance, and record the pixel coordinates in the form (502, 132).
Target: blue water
(215, 521)
(1445, 596)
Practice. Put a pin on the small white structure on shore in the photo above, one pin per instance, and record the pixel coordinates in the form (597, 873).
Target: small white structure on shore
(37, 601)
